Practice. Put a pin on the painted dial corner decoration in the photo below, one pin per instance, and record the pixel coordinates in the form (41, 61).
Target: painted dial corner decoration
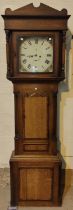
(36, 54)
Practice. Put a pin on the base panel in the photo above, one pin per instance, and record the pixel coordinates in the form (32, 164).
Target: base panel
(35, 180)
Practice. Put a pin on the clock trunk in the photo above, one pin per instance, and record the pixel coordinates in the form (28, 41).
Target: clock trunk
(35, 118)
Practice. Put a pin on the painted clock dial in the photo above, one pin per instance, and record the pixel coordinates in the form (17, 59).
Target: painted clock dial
(36, 54)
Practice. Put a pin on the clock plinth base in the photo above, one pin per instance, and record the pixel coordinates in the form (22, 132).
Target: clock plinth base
(35, 180)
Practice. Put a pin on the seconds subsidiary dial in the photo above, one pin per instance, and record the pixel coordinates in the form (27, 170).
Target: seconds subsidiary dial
(36, 54)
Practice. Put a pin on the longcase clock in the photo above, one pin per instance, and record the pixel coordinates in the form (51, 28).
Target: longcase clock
(35, 43)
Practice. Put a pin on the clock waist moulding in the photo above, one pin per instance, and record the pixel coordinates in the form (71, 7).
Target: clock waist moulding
(35, 43)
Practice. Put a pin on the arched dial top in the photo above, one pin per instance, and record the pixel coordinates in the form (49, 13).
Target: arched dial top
(36, 54)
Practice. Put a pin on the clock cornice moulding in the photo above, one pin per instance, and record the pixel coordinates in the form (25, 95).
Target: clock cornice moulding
(31, 11)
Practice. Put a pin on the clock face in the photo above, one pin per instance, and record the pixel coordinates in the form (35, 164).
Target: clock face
(36, 54)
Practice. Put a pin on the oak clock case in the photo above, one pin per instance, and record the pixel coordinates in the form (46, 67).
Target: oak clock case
(35, 44)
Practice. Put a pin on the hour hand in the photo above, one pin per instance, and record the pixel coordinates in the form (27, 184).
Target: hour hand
(30, 56)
